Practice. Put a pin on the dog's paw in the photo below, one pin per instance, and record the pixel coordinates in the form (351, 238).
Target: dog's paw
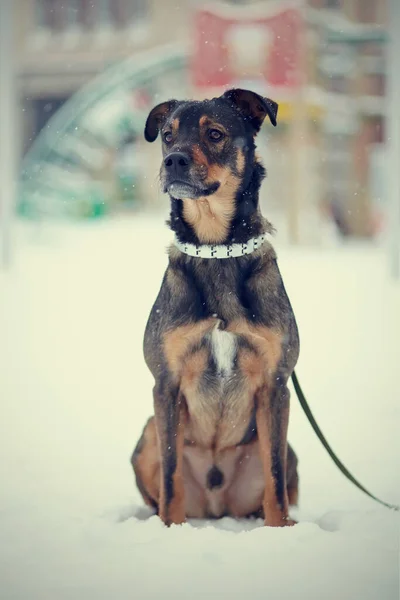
(280, 522)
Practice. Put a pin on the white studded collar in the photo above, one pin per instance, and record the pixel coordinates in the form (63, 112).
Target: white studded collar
(221, 250)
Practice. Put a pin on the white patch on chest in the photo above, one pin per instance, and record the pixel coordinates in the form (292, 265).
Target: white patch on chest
(223, 344)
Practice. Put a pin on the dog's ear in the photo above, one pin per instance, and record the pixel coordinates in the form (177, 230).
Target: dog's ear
(252, 106)
(156, 119)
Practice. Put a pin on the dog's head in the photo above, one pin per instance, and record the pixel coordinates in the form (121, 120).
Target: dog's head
(208, 147)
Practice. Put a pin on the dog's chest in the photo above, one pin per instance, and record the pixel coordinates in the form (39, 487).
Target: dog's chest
(220, 360)
(218, 396)
(223, 350)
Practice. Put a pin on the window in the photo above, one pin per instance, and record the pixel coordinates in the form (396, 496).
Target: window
(103, 13)
(72, 13)
(61, 15)
(87, 14)
(339, 161)
(57, 15)
(376, 84)
(378, 131)
(366, 11)
(53, 15)
(333, 3)
(126, 13)
(338, 84)
(43, 110)
(40, 15)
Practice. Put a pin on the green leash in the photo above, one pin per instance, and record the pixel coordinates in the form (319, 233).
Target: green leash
(327, 447)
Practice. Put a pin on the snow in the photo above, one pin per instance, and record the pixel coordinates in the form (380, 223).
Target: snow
(76, 393)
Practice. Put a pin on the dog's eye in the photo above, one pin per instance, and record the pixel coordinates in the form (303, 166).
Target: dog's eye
(215, 135)
(167, 136)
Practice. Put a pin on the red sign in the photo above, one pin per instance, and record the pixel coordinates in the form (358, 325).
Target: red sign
(230, 48)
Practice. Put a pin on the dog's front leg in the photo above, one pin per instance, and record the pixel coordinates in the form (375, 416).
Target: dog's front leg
(169, 425)
(272, 417)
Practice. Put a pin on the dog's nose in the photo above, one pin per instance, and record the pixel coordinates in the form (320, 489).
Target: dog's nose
(177, 163)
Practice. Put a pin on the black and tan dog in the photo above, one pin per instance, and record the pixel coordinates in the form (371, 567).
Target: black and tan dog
(221, 340)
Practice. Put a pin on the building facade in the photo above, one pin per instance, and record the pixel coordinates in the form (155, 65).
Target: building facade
(63, 44)
(352, 72)
(337, 133)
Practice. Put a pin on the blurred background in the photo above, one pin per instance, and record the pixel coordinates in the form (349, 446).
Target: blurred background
(83, 242)
(81, 76)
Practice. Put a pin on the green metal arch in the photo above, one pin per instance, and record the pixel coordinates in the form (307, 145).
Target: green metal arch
(138, 71)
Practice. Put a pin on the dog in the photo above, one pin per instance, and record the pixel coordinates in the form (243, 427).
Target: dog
(221, 340)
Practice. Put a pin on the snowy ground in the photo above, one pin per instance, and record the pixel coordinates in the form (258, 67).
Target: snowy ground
(75, 394)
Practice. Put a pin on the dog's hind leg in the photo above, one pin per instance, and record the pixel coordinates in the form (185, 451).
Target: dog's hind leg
(292, 477)
(145, 461)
